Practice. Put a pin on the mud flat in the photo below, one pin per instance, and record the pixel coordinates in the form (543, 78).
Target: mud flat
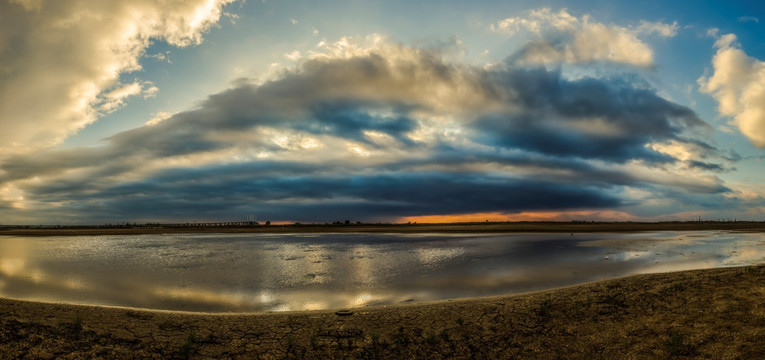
(716, 314)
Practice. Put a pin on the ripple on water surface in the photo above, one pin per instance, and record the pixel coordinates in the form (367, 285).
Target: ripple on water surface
(267, 272)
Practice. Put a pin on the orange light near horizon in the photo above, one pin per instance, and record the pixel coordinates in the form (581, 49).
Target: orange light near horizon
(594, 215)
(475, 217)
(584, 215)
(279, 222)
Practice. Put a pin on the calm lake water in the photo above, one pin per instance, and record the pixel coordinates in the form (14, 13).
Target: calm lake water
(265, 272)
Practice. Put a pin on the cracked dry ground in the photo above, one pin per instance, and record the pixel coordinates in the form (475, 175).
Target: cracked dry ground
(715, 314)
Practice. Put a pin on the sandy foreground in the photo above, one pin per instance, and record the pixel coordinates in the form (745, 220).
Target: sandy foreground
(713, 314)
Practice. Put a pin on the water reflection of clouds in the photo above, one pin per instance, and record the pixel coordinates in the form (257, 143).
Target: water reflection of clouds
(685, 251)
(197, 299)
(221, 298)
(746, 255)
(13, 256)
(362, 265)
(435, 256)
(12, 266)
(629, 255)
(278, 273)
(17, 278)
(15, 264)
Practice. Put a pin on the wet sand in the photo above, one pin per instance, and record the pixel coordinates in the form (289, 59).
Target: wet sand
(498, 227)
(716, 313)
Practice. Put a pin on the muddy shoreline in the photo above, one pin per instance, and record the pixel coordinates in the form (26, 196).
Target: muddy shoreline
(715, 313)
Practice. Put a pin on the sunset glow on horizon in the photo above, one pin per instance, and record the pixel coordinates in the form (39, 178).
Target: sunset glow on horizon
(576, 215)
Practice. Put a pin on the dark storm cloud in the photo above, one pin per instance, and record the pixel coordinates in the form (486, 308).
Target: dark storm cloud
(706, 166)
(527, 139)
(349, 120)
(610, 119)
(233, 190)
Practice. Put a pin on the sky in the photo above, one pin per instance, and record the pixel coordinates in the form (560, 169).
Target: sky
(380, 111)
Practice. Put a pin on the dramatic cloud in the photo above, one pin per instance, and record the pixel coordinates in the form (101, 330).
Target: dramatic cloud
(738, 85)
(61, 60)
(608, 119)
(563, 38)
(375, 131)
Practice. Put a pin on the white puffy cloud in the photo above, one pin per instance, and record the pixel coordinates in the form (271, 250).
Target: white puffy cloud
(61, 60)
(663, 29)
(537, 21)
(738, 85)
(565, 38)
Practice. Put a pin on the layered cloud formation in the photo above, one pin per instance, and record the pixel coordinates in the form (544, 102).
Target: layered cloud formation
(61, 60)
(364, 129)
(374, 130)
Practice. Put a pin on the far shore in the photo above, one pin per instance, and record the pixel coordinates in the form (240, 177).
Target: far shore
(478, 227)
(710, 314)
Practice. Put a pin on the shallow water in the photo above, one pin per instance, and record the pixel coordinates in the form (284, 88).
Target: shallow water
(281, 272)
